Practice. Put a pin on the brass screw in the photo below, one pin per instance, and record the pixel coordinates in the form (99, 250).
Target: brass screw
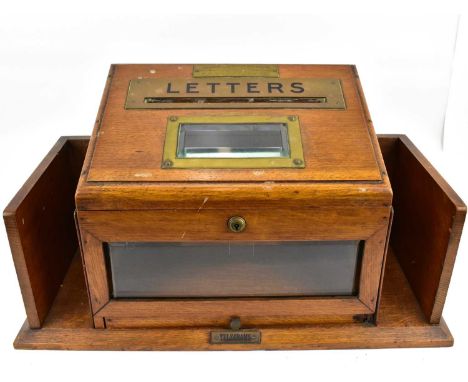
(298, 162)
(173, 118)
(167, 163)
(292, 117)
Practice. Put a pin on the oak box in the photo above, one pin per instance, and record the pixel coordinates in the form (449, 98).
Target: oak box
(237, 207)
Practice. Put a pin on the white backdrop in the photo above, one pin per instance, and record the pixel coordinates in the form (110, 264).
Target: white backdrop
(53, 64)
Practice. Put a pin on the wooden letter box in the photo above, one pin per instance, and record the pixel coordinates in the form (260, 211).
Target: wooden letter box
(234, 207)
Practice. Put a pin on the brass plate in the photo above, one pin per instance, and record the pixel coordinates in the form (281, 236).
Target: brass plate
(295, 160)
(235, 93)
(235, 70)
(246, 336)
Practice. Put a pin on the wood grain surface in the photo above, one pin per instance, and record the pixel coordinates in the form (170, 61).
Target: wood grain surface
(40, 226)
(122, 169)
(427, 225)
(338, 223)
(128, 145)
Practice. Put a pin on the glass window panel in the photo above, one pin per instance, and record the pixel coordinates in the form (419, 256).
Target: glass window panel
(235, 140)
(228, 269)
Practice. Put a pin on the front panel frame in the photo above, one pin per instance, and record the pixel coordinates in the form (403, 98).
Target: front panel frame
(140, 226)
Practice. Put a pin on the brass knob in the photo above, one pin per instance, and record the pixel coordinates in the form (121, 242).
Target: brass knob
(235, 323)
(236, 224)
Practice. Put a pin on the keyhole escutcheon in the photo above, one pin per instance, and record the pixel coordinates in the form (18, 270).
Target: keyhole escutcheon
(236, 224)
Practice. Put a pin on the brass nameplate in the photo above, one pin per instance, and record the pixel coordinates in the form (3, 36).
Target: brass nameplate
(236, 337)
(235, 70)
(235, 93)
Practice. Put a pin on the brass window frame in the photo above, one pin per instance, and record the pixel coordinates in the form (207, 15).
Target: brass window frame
(294, 161)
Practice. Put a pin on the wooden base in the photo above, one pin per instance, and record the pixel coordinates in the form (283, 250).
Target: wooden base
(427, 226)
(401, 323)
